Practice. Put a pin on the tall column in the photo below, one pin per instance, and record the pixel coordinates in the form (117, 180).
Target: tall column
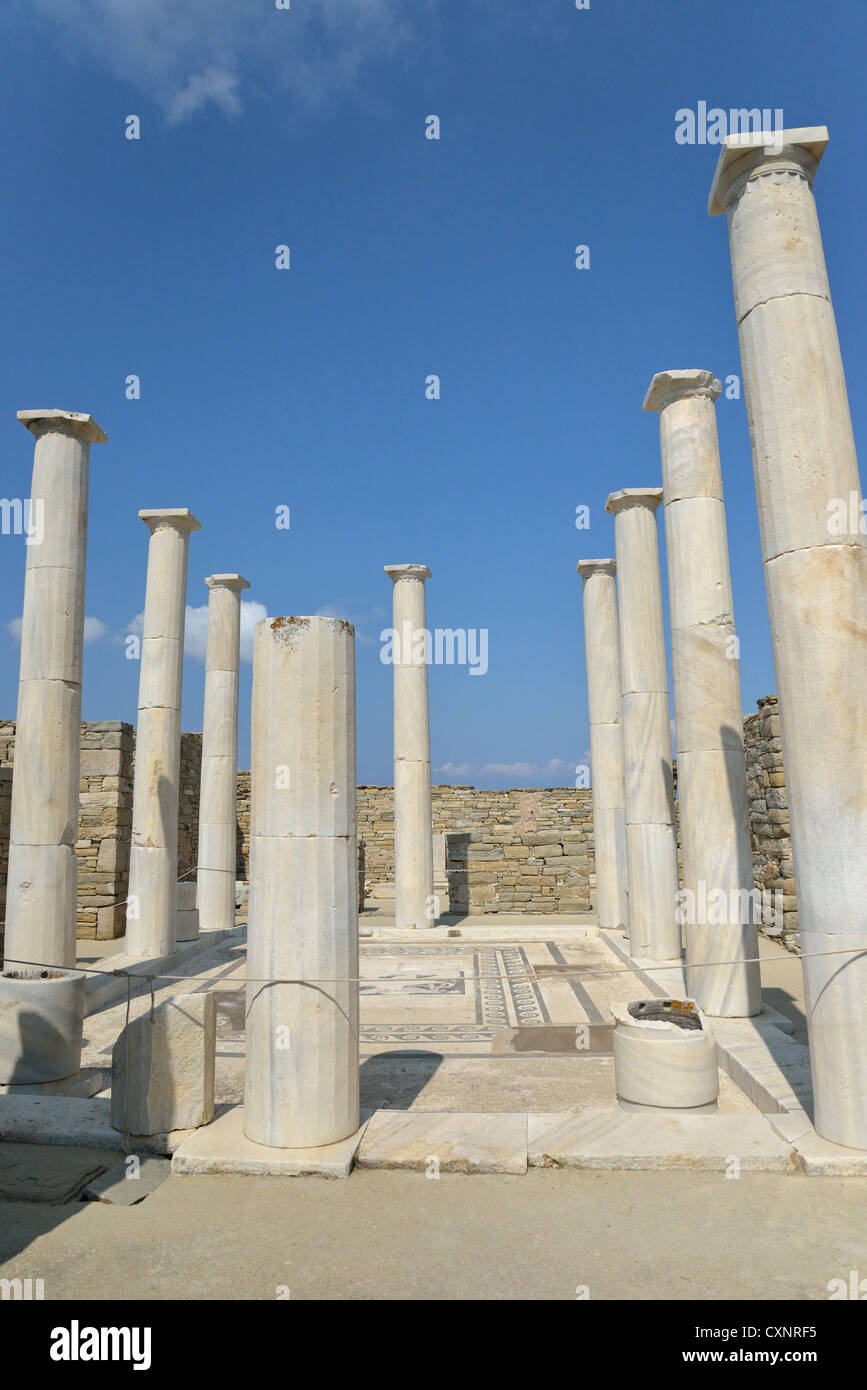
(711, 768)
(218, 797)
(302, 1087)
(651, 846)
(602, 646)
(153, 865)
(815, 563)
(414, 904)
(42, 879)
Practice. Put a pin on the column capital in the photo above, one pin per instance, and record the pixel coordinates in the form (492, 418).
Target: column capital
(81, 426)
(180, 518)
(587, 567)
(649, 497)
(237, 582)
(396, 572)
(753, 153)
(678, 385)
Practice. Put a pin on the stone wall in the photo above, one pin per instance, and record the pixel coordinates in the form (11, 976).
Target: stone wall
(507, 851)
(105, 802)
(5, 808)
(188, 804)
(769, 814)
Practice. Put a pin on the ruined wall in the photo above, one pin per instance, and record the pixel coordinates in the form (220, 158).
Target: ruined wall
(5, 807)
(105, 824)
(512, 851)
(769, 814)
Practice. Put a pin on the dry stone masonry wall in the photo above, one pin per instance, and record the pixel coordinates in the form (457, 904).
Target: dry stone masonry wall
(518, 851)
(769, 815)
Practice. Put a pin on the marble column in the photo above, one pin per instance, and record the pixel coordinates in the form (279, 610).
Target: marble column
(302, 1088)
(651, 846)
(602, 647)
(218, 796)
(718, 889)
(153, 867)
(414, 904)
(815, 565)
(41, 896)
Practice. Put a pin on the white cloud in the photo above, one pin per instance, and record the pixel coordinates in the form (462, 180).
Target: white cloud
(457, 769)
(214, 84)
(196, 628)
(511, 769)
(94, 629)
(189, 54)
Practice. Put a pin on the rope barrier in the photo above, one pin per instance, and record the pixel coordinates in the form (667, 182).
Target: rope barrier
(148, 977)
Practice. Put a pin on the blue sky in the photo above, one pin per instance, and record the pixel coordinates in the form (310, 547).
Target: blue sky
(306, 387)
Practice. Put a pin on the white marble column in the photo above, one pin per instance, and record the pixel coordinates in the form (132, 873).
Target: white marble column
(414, 904)
(651, 846)
(218, 796)
(41, 896)
(604, 690)
(718, 903)
(816, 579)
(153, 868)
(302, 1030)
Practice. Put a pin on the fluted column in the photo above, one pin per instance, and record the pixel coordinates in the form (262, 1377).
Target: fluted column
(218, 797)
(41, 896)
(816, 578)
(302, 1088)
(604, 698)
(650, 839)
(718, 902)
(414, 904)
(153, 868)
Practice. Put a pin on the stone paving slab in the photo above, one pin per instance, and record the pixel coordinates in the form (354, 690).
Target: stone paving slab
(81, 1123)
(818, 1157)
(461, 1143)
(626, 1140)
(49, 1173)
(223, 1147)
(769, 1067)
(670, 981)
(104, 987)
(121, 1186)
(87, 1082)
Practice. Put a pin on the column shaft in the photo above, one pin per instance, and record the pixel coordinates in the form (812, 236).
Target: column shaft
(604, 686)
(302, 1030)
(41, 899)
(816, 578)
(215, 879)
(718, 900)
(650, 839)
(414, 903)
(153, 870)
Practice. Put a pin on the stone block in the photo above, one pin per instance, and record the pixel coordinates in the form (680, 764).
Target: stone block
(163, 1070)
(223, 1147)
(629, 1140)
(459, 1143)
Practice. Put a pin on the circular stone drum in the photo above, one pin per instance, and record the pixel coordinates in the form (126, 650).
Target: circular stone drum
(664, 1056)
(41, 1022)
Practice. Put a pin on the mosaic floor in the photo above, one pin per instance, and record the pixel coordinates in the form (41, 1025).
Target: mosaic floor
(439, 1022)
